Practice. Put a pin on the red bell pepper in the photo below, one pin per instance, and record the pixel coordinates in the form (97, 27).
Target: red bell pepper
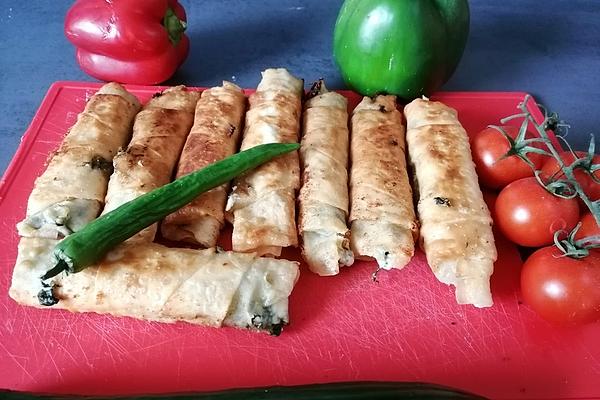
(128, 41)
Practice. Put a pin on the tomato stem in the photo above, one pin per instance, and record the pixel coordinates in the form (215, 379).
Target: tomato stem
(571, 247)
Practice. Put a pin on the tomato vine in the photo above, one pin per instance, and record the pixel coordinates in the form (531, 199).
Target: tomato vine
(565, 185)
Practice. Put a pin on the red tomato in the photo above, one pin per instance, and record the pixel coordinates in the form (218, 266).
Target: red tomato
(488, 146)
(528, 215)
(591, 188)
(562, 290)
(589, 227)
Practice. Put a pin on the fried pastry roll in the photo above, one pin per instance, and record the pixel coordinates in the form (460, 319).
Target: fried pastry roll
(153, 282)
(70, 192)
(261, 205)
(456, 226)
(159, 132)
(323, 198)
(214, 136)
(382, 216)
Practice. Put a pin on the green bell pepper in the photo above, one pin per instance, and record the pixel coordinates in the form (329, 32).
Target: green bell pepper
(404, 47)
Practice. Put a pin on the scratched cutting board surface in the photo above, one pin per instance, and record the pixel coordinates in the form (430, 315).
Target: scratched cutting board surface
(405, 327)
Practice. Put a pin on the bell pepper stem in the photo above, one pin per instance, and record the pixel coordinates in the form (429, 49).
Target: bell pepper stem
(174, 26)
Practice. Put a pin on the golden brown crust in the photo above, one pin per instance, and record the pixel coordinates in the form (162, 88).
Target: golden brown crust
(380, 191)
(214, 136)
(158, 137)
(273, 116)
(262, 203)
(175, 98)
(115, 88)
(323, 198)
(79, 169)
(424, 112)
(70, 174)
(324, 152)
(456, 231)
(101, 130)
(154, 282)
(159, 132)
(104, 125)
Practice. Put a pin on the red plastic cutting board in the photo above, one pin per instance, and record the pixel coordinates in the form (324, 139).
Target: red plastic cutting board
(406, 327)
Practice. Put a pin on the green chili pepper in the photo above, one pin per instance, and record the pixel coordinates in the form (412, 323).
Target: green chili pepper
(87, 246)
